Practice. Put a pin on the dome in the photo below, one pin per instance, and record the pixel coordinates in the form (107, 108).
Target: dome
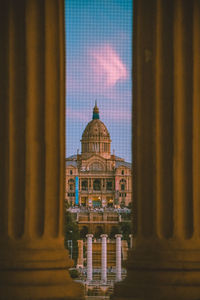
(96, 129)
(95, 137)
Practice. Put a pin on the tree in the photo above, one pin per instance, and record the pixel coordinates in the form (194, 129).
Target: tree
(83, 232)
(114, 230)
(71, 233)
(125, 229)
(98, 232)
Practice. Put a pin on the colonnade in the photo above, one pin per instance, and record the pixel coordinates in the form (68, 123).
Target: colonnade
(103, 184)
(103, 257)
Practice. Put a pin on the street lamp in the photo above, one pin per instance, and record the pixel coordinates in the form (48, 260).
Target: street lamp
(70, 245)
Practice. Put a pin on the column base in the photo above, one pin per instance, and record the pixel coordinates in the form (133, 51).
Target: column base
(159, 285)
(49, 284)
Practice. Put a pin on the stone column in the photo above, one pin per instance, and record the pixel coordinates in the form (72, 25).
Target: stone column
(80, 254)
(91, 184)
(131, 241)
(104, 257)
(165, 262)
(89, 256)
(118, 257)
(33, 261)
(102, 184)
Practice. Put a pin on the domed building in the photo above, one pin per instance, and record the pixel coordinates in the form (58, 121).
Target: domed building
(97, 178)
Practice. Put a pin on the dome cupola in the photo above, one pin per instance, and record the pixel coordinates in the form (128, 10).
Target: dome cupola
(95, 137)
(95, 111)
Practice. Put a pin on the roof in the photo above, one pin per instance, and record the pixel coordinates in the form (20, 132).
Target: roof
(123, 163)
(71, 163)
(72, 157)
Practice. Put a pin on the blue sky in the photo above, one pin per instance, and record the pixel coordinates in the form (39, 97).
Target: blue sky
(99, 62)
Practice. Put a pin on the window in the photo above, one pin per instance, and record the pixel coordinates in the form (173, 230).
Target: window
(109, 186)
(71, 172)
(71, 194)
(122, 184)
(71, 184)
(122, 172)
(97, 185)
(84, 185)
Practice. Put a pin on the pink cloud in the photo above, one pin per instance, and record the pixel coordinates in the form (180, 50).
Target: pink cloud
(107, 66)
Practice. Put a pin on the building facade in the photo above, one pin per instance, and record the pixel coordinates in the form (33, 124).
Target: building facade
(97, 178)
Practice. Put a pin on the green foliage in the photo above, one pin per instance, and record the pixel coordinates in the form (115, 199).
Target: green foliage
(74, 273)
(83, 232)
(98, 232)
(114, 230)
(71, 233)
(125, 229)
(122, 204)
(130, 205)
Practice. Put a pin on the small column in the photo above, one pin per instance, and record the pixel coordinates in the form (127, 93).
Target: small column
(118, 257)
(104, 257)
(80, 254)
(89, 256)
(101, 184)
(131, 241)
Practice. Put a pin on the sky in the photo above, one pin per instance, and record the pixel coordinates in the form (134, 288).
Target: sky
(99, 63)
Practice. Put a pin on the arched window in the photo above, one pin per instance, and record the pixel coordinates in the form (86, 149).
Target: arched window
(71, 184)
(122, 184)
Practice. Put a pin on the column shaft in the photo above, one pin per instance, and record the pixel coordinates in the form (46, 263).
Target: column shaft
(165, 260)
(104, 257)
(89, 256)
(80, 254)
(33, 260)
(118, 257)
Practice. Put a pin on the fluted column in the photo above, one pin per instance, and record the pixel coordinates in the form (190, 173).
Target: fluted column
(33, 260)
(165, 260)
(104, 257)
(118, 257)
(89, 256)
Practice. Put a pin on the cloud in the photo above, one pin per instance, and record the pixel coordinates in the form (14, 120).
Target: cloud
(95, 74)
(107, 66)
